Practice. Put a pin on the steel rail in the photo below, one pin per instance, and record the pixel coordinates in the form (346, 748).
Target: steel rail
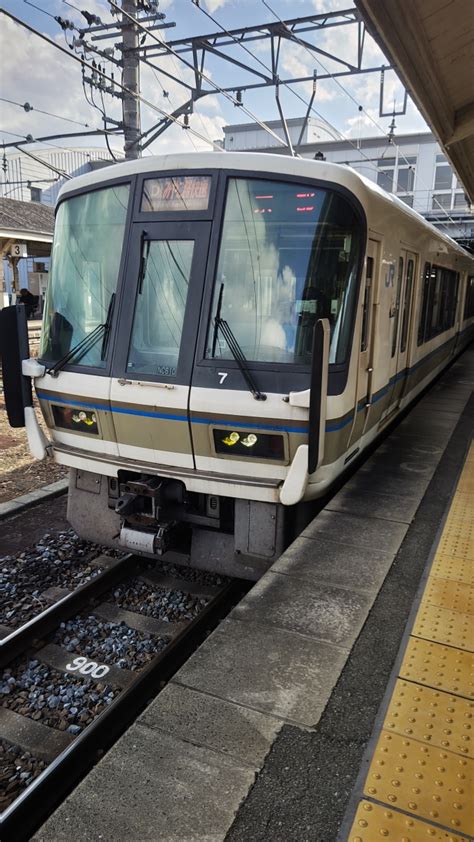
(25, 815)
(29, 635)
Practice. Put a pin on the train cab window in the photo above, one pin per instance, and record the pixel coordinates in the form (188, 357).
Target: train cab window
(288, 256)
(406, 305)
(160, 307)
(88, 239)
(397, 305)
(369, 276)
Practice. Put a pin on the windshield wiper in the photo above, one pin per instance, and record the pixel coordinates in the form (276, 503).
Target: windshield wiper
(235, 349)
(107, 326)
(78, 351)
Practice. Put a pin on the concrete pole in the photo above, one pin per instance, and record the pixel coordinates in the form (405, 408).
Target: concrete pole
(131, 80)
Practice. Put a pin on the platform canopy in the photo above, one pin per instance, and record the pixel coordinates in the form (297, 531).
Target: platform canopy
(431, 45)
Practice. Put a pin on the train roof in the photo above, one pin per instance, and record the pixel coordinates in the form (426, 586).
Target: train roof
(363, 188)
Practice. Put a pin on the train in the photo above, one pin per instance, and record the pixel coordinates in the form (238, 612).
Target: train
(223, 334)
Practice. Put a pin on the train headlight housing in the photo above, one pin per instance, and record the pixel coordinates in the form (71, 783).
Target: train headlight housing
(82, 421)
(245, 444)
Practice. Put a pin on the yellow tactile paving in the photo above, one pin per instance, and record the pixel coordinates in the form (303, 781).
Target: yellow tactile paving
(432, 717)
(445, 626)
(440, 667)
(455, 544)
(423, 780)
(422, 767)
(373, 823)
(466, 485)
(458, 569)
(461, 507)
(446, 593)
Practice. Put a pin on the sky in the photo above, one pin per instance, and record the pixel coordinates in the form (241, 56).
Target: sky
(33, 71)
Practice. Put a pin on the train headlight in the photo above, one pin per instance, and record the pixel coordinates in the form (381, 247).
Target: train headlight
(231, 439)
(246, 444)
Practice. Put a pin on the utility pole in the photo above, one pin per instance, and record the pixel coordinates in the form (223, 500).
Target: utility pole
(131, 81)
(124, 55)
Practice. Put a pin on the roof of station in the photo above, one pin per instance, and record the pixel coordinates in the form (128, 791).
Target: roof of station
(29, 222)
(431, 44)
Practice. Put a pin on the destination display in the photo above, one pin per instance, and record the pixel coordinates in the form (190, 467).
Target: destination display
(176, 193)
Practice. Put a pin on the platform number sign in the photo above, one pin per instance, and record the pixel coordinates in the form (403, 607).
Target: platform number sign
(18, 250)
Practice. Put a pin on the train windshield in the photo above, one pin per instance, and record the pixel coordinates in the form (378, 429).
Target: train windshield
(288, 256)
(88, 239)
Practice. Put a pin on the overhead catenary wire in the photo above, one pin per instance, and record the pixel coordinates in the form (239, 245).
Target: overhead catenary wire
(295, 93)
(201, 74)
(40, 111)
(123, 88)
(360, 107)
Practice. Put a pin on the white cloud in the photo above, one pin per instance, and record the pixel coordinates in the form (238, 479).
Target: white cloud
(55, 86)
(322, 6)
(213, 5)
(48, 80)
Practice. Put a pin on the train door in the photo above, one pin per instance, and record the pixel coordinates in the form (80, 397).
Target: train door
(158, 327)
(400, 333)
(406, 317)
(365, 376)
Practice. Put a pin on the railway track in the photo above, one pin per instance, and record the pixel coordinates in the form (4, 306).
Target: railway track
(76, 675)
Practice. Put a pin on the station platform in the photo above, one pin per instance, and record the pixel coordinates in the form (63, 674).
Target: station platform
(319, 709)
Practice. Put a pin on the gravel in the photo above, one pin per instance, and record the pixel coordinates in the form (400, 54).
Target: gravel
(18, 768)
(62, 560)
(170, 606)
(191, 574)
(109, 643)
(55, 699)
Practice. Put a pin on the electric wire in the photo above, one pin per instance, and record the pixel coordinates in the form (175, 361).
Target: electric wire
(48, 113)
(201, 74)
(108, 78)
(295, 93)
(369, 116)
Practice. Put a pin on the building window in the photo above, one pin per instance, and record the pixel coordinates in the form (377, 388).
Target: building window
(405, 174)
(386, 170)
(441, 200)
(446, 181)
(443, 177)
(460, 200)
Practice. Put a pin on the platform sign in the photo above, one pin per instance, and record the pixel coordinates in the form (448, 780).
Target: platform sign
(18, 250)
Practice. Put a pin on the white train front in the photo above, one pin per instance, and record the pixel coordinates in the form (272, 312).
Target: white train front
(223, 334)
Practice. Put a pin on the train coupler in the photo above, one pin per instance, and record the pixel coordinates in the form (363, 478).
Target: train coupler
(150, 543)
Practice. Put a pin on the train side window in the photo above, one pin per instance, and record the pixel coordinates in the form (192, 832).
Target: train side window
(438, 311)
(406, 305)
(397, 305)
(369, 274)
(469, 300)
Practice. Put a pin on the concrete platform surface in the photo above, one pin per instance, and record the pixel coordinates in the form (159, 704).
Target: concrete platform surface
(256, 736)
